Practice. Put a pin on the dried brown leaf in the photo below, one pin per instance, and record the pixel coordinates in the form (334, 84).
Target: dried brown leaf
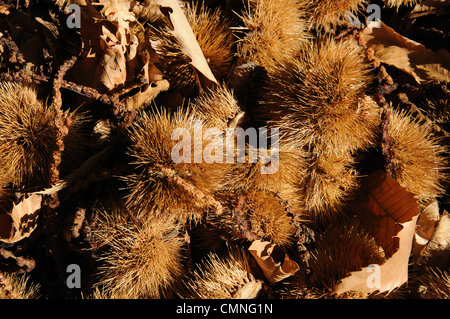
(412, 57)
(274, 263)
(22, 220)
(111, 71)
(426, 225)
(386, 207)
(389, 213)
(122, 60)
(437, 251)
(393, 273)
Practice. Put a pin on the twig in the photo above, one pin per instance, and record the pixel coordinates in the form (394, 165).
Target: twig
(385, 119)
(24, 78)
(15, 55)
(243, 223)
(125, 117)
(385, 143)
(64, 84)
(207, 200)
(57, 82)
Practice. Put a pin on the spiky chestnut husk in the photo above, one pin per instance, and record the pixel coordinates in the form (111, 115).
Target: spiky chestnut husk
(212, 32)
(161, 186)
(215, 39)
(225, 277)
(325, 186)
(138, 259)
(434, 284)
(102, 293)
(327, 14)
(418, 160)
(339, 249)
(266, 215)
(318, 100)
(217, 107)
(28, 136)
(437, 109)
(14, 286)
(278, 174)
(273, 31)
(398, 3)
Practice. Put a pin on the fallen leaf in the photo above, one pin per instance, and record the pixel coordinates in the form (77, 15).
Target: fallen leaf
(441, 236)
(112, 67)
(143, 64)
(93, 37)
(412, 57)
(393, 273)
(274, 263)
(118, 55)
(437, 251)
(120, 12)
(386, 207)
(22, 220)
(426, 225)
(33, 36)
(147, 10)
(389, 213)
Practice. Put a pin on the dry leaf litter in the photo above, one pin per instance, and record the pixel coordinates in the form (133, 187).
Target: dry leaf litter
(357, 207)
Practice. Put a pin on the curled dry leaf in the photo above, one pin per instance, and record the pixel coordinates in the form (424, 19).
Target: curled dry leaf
(441, 235)
(426, 225)
(119, 11)
(111, 71)
(21, 221)
(437, 251)
(274, 263)
(412, 57)
(118, 55)
(386, 206)
(389, 213)
(392, 274)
